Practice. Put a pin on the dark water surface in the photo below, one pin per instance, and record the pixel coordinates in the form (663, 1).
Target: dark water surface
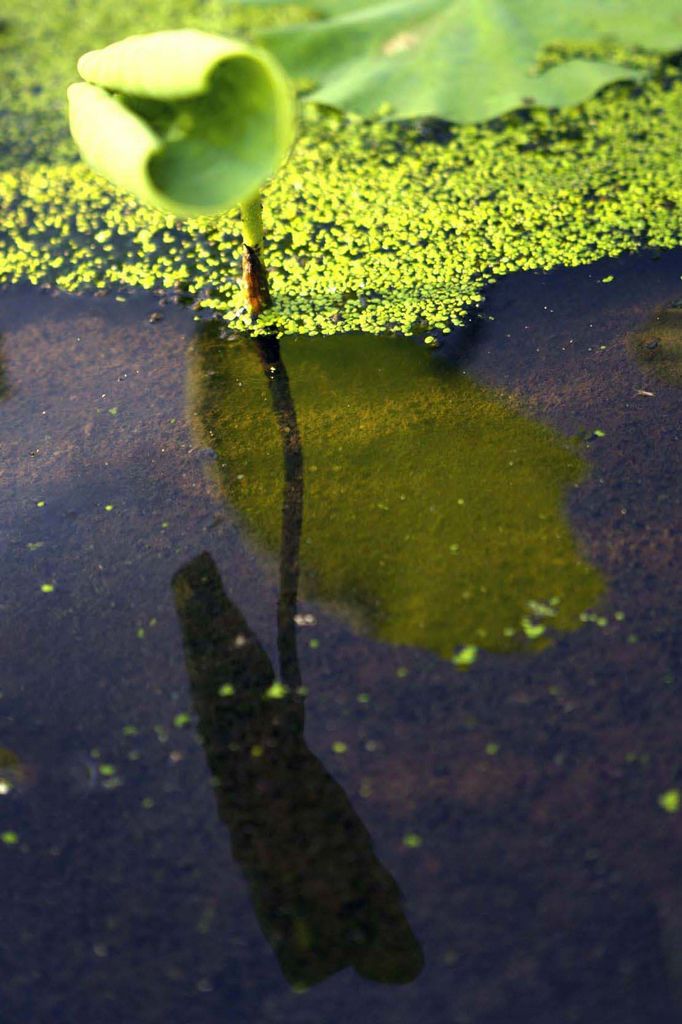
(212, 811)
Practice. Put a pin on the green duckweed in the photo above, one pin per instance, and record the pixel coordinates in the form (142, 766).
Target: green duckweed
(276, 691)
(370, 226)
(670, 801)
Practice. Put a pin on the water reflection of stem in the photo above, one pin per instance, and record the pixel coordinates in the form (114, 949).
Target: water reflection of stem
(292, 508)
(323, 898)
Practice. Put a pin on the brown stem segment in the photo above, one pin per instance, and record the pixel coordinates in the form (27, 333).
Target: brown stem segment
(255, 280)
(254, 274)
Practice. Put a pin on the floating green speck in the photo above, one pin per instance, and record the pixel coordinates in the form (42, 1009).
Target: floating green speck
(276, 691)
(226, 690)
(9, 838)
(492, 749)
(339, 747)
(541, 610)
(670, 801)
(533, 630)
(107, 770)
(47, 588)
(181, 720)
(467, 656)
(412, 840)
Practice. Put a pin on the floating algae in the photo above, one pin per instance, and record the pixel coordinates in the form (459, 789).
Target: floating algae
(370, 227)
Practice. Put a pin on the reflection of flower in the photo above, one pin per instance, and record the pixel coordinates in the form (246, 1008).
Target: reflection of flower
(189, 122)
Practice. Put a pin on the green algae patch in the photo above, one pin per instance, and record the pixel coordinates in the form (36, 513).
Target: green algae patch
(432, 510)
(657, 346)
(369, 227)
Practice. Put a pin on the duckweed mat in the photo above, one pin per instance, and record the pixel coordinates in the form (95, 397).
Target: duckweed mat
(371, 227)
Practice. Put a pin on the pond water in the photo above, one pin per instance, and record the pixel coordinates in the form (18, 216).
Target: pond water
(343, 678)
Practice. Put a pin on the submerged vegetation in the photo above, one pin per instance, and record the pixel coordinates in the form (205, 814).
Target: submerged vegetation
(371, 226)
(657, 346)
(431, 506)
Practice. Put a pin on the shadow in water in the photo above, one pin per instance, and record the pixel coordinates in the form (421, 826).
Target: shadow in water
(323, 899)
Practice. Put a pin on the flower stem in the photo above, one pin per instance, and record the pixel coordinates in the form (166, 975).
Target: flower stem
(254, 274)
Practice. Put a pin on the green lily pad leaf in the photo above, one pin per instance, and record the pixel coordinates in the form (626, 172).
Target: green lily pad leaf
(432, 509)
(467, 60)
(188, 122)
